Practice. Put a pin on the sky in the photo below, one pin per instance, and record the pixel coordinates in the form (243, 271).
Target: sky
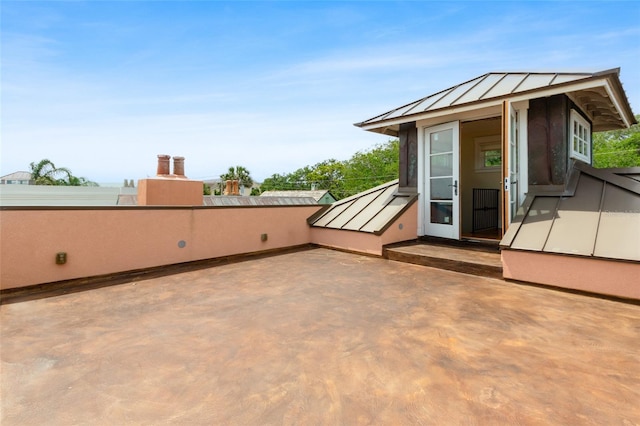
(103, 87)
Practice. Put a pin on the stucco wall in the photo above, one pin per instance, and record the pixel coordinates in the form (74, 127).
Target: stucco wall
(614, 278)
(111, 240)
(404, 228)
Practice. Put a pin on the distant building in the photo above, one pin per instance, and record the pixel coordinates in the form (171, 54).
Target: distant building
(16, 178)
(321, 196)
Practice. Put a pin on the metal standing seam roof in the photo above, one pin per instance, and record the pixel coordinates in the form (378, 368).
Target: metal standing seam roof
(500, 85)
(235, 201)
(45, 195)
(371, 211)
(597, 215)
(316, 195)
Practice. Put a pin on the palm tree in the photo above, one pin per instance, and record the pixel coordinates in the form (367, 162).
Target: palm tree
(239, 173)
(80, 181)
(45, 172)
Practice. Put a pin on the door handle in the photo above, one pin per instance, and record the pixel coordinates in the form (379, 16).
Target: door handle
(455, 187)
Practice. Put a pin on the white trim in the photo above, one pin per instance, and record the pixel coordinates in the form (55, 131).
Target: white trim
(423, 213)
(575, 117)
(482, 144)
(523, 188)
(421, 182)
(614, 100)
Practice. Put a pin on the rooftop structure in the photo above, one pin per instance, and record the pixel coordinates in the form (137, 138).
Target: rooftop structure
(16, 178)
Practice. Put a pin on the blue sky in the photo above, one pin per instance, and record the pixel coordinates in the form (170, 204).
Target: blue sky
(103, 87)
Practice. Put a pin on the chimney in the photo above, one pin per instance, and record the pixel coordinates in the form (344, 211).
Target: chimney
(169, 189)
(227, 190)
(178, 166)
(163, 165)
(235, 190)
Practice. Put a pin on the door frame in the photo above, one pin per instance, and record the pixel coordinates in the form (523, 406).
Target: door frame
(424, 225)
(521, 186)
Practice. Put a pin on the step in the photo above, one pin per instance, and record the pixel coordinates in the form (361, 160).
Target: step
(472, 261)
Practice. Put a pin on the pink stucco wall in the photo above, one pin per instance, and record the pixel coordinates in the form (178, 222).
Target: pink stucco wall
(614, 278)
(404, 228)
(104, 241)
(167, 191)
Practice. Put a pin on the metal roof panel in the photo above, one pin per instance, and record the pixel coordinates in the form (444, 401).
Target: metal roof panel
(535, 81)
(480, 88)
(536, 225)
(505, 86)
(332, 213)
(567, 78)
(377, 223)
(450, 97)
(619, 229)
(576, 222)
(371, 210)
(354, 209)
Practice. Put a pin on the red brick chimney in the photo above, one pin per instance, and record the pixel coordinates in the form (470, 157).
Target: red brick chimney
(178, 167)
(163, 165)
(170, 189)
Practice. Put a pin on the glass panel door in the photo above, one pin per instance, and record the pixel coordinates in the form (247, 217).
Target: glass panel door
(441, 185)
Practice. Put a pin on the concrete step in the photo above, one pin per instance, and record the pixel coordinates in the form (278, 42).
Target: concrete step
(471, 260)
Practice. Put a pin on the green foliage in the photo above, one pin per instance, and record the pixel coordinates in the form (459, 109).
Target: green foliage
(239, 173)
(206, 189)
(45, 172)
(366, 169)
(617, 148)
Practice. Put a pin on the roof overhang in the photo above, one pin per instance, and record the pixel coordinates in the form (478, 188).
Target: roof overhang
(599, 95)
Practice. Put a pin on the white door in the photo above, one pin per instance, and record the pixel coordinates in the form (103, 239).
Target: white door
(442, 207)
(511, 164)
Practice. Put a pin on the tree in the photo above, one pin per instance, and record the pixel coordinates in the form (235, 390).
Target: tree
(364, 170)
(45, 172)
(239, 173)
(367, 169)
(617, 148)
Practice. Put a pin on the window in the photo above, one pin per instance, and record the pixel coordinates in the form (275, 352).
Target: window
(488, 154)
(580, 138)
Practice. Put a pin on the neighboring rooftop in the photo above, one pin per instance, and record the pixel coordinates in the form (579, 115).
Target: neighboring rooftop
(234, 200)
(320, 337)
(321, 196)
(19, 177)
(597, 215)
(46, 195)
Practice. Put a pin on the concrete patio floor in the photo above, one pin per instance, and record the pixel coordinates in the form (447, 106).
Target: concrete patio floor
(320, 337)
